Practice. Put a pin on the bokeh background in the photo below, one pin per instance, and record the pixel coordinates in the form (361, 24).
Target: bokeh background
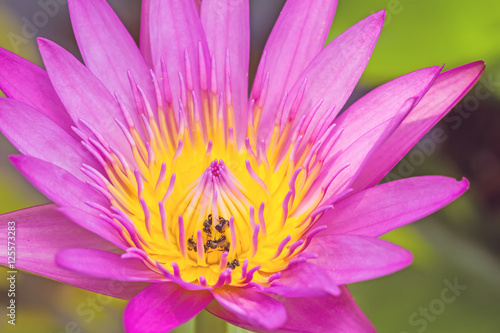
(460, 244)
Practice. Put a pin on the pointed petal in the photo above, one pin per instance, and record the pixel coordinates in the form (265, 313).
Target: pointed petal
(351, 258)
(227, 27)
(379, 112)
(162, 307)
(298, 36)
(84, 96)
(304, 279)
(94, 224)
(109, 51)
(255, 309)
(350, 160)
(103, 229)
(380, 209)
(446, 91)
(334, 73)
(326, 314)
(392, 100)
(102, 264)
(27, 83)
(382, 104)
(175, 28)
(42, 232)
(57, 184)
(35, 135)
(311, 314)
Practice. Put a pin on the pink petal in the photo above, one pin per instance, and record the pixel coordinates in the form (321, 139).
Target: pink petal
(352, 258)
(57, 184)
(353, 158)
(325, 314)
(34, 134)
(227, 26)
(304, 279)
(175, 28)
(379, 112)
(382, 104)
(129, 272)
(145, 42)
(380, 209)
(110, 52)
(446, 91)
(94, 224)
(259, 311)
(84, 96)
(334, 73)
(162, 307)
(311, 314)
(36, 92)
(298, 36)
(102, 264)
(40, 233)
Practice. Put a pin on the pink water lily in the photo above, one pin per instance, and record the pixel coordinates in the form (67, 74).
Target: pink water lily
(174, 188)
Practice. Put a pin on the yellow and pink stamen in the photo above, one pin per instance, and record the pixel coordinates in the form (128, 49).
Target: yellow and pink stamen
(196, 205)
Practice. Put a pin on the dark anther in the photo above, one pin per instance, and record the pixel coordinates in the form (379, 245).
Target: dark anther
(192, 245)
(208, 221)
(233, 264)
(212, 244)
(222, 226)
(210, 238)
(222, 243)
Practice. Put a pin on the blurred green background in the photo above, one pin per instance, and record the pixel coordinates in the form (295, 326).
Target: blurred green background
(460, 244)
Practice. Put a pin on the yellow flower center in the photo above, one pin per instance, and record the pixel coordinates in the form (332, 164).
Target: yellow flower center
(197, 205)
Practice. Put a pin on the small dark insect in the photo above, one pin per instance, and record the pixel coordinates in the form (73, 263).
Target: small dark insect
(192, 245)
(207, 225)
(233, 264)
(222, 226)
(227, 247)
(207, 230)
(212, 244)
(208, 222)
(221, 243)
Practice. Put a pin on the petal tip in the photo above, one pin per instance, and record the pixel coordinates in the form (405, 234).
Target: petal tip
(380, 15)
(60, 259)
(479, 63)
(16, 159)
(43, 41)
(465, 184)
(408, 259)
(334, 290)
